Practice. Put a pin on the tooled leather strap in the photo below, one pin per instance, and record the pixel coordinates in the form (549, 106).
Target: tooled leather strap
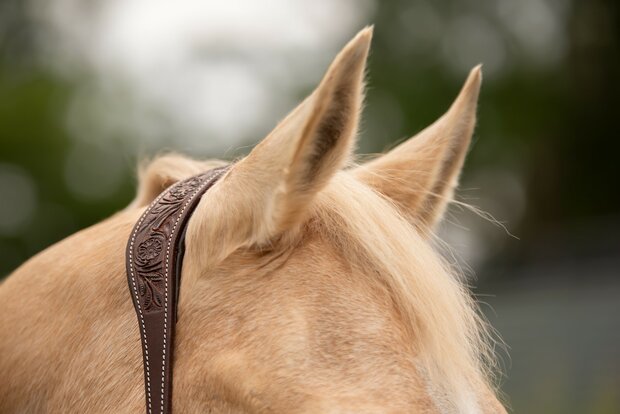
(154, 258)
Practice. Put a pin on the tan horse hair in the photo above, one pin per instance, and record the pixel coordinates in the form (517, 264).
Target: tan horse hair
(294, 218)
(454, 342)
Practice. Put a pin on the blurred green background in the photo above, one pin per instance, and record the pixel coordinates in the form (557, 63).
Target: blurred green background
(89, 88)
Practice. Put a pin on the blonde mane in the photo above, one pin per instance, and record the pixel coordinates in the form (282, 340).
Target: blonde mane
(452, 340)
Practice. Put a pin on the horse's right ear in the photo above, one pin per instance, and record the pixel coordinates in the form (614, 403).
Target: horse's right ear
(271, 190)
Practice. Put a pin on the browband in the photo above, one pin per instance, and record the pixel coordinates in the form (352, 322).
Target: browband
(154, 258)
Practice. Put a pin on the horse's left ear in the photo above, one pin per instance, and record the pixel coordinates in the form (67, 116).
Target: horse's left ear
(157, 175)
(420, 175)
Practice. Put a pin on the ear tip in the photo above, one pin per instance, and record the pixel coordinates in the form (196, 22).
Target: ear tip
(368, 30)
(471, 88)
(475, 75)
(476, 72)
(353, 56)
(363, 38)
(467, 99)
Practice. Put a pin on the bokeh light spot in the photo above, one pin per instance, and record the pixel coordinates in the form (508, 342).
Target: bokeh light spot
(93, 172)
(18, 199)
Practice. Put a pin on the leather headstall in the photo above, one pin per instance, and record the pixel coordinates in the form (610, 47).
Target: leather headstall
(154, 257)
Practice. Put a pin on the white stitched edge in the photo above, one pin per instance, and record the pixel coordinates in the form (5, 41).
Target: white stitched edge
(133, 281)
(135, 289)
(163, 365)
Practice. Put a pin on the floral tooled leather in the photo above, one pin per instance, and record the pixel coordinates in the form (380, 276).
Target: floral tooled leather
(154, 257)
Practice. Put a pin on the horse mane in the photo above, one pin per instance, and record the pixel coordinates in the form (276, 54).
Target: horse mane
(453, 340)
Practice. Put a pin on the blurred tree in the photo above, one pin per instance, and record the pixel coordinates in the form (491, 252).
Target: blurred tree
(34, 144)
(547, 110)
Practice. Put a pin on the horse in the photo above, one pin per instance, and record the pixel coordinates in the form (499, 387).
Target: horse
(311, 282)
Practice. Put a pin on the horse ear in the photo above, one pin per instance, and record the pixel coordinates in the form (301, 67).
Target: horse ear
(420, 175)
(271, 190)
(157, 175)
(315, 141)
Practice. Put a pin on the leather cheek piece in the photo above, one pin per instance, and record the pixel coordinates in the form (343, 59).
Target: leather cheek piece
(154, 257)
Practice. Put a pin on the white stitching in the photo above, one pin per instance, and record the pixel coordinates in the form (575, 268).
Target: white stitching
(163, 366)
(133, 281)
(135, 289)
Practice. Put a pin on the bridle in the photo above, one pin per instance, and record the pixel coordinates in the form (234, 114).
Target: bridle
(154, 257)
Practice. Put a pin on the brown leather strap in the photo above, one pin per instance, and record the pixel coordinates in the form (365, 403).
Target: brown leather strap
(154, 258)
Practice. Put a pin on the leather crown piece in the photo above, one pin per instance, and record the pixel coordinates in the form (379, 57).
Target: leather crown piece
(154, 257)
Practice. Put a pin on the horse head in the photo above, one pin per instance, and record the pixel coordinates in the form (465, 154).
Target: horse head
(310, 282)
